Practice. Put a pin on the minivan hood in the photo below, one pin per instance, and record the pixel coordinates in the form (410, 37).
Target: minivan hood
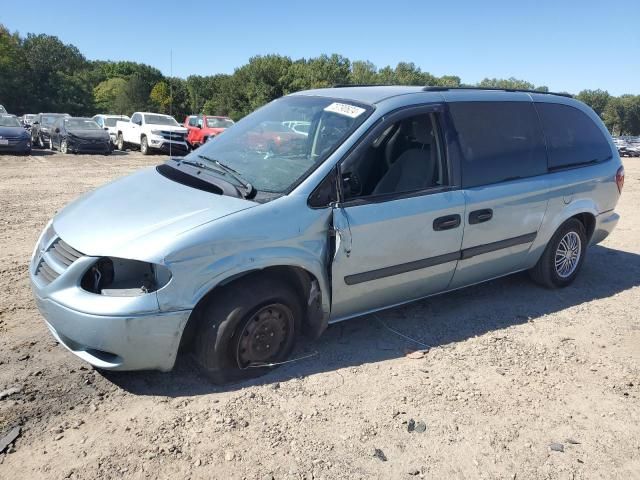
(13, 131)
(139, 216)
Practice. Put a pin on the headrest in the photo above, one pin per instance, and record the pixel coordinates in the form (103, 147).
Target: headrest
(421, 130)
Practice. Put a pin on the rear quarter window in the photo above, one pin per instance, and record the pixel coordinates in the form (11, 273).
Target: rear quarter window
(498, 141)
(573, 139)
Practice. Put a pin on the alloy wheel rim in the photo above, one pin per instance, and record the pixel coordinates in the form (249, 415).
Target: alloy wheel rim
(568, 254)
(265, 336)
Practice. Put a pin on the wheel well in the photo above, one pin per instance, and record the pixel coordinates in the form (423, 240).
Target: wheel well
(298, 278)
(589, 222)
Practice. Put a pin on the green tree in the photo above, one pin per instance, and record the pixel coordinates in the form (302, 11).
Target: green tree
(510, 83)
(16, 93)
(363, 73)
(107, 93)
(160, 97)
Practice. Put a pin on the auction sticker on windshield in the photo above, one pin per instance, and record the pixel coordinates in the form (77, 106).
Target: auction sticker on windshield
(345, 109)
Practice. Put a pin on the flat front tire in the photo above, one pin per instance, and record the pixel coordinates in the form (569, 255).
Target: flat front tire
(563, 257)
(247, 326)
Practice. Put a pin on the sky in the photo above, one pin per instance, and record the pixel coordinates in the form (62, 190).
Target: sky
(566, 45)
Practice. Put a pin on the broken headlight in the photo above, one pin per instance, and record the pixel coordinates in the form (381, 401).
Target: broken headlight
(119, 277)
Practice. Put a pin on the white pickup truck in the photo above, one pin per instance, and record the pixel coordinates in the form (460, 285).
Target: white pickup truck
(152, 132)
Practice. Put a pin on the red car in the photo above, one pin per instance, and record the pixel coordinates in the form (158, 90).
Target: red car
(275, 137)
(203, 127)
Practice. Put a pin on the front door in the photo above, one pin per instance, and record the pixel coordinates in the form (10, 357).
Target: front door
(399, 223)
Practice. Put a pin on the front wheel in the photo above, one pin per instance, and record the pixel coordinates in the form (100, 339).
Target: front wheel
(64, 146)
(50, 144)
(40, 141)
(246, 328)
(563, 256)
(144, 146)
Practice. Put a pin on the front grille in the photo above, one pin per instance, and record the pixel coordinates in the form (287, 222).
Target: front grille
(175, 136)
(13, 138)
(55, 260)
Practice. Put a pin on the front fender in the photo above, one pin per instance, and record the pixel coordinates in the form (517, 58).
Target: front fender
(199, 276)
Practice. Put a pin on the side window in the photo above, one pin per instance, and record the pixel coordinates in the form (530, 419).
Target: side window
(405, 156)
(99, 122)
(572, 137)
(137, 118)
(499, 141)
(193, 121)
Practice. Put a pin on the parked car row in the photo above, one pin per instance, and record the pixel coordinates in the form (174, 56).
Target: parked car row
(628, 146)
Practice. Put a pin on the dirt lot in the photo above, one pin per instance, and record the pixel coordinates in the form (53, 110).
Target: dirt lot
(513, 369)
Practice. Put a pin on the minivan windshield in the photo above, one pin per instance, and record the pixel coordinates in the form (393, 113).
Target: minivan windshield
(160, 120)
(272, 157)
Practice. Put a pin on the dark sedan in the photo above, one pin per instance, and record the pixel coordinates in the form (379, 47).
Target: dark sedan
(13, 137)
(80, 135)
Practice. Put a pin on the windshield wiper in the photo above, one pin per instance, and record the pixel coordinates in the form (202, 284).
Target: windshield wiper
(250, 190)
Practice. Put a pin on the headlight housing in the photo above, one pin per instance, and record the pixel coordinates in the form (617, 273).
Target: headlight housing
(121, 277)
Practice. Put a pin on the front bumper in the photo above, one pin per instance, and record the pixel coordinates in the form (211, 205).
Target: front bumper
(16, 147)
(136, 342)
(113, 333)
(605, 223)
(174, 148)
(89, 147)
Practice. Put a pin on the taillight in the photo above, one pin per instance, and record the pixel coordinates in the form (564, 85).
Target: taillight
(620, 178)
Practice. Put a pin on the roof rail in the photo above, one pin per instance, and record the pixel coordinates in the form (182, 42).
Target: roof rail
(346, 85)
(494, 89)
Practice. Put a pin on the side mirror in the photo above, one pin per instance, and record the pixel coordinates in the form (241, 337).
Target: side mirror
(106, 128)
(36, 123)
(57, 130)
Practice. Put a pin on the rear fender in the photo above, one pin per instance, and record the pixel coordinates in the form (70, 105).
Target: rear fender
(553, 220)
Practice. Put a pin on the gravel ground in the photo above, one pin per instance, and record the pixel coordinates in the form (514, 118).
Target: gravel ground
(519, 382)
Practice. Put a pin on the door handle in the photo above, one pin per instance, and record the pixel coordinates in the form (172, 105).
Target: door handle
(446, 223)
(479, 216)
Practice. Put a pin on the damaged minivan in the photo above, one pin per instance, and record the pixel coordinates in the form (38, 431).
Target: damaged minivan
(391, 194)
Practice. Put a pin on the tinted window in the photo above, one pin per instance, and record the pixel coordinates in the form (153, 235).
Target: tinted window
(572, 137)
(499, 141)
(193, 121)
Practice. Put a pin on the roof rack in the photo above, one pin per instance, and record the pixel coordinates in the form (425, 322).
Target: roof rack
(346, 85)
(494, 89)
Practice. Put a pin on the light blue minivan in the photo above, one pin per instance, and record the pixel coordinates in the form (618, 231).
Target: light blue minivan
(391, 195)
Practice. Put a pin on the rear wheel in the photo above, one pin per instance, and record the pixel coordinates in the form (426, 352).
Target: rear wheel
(563, 256)
(246, 327)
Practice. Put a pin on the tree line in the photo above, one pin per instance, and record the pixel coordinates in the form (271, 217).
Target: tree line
(40, 73)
